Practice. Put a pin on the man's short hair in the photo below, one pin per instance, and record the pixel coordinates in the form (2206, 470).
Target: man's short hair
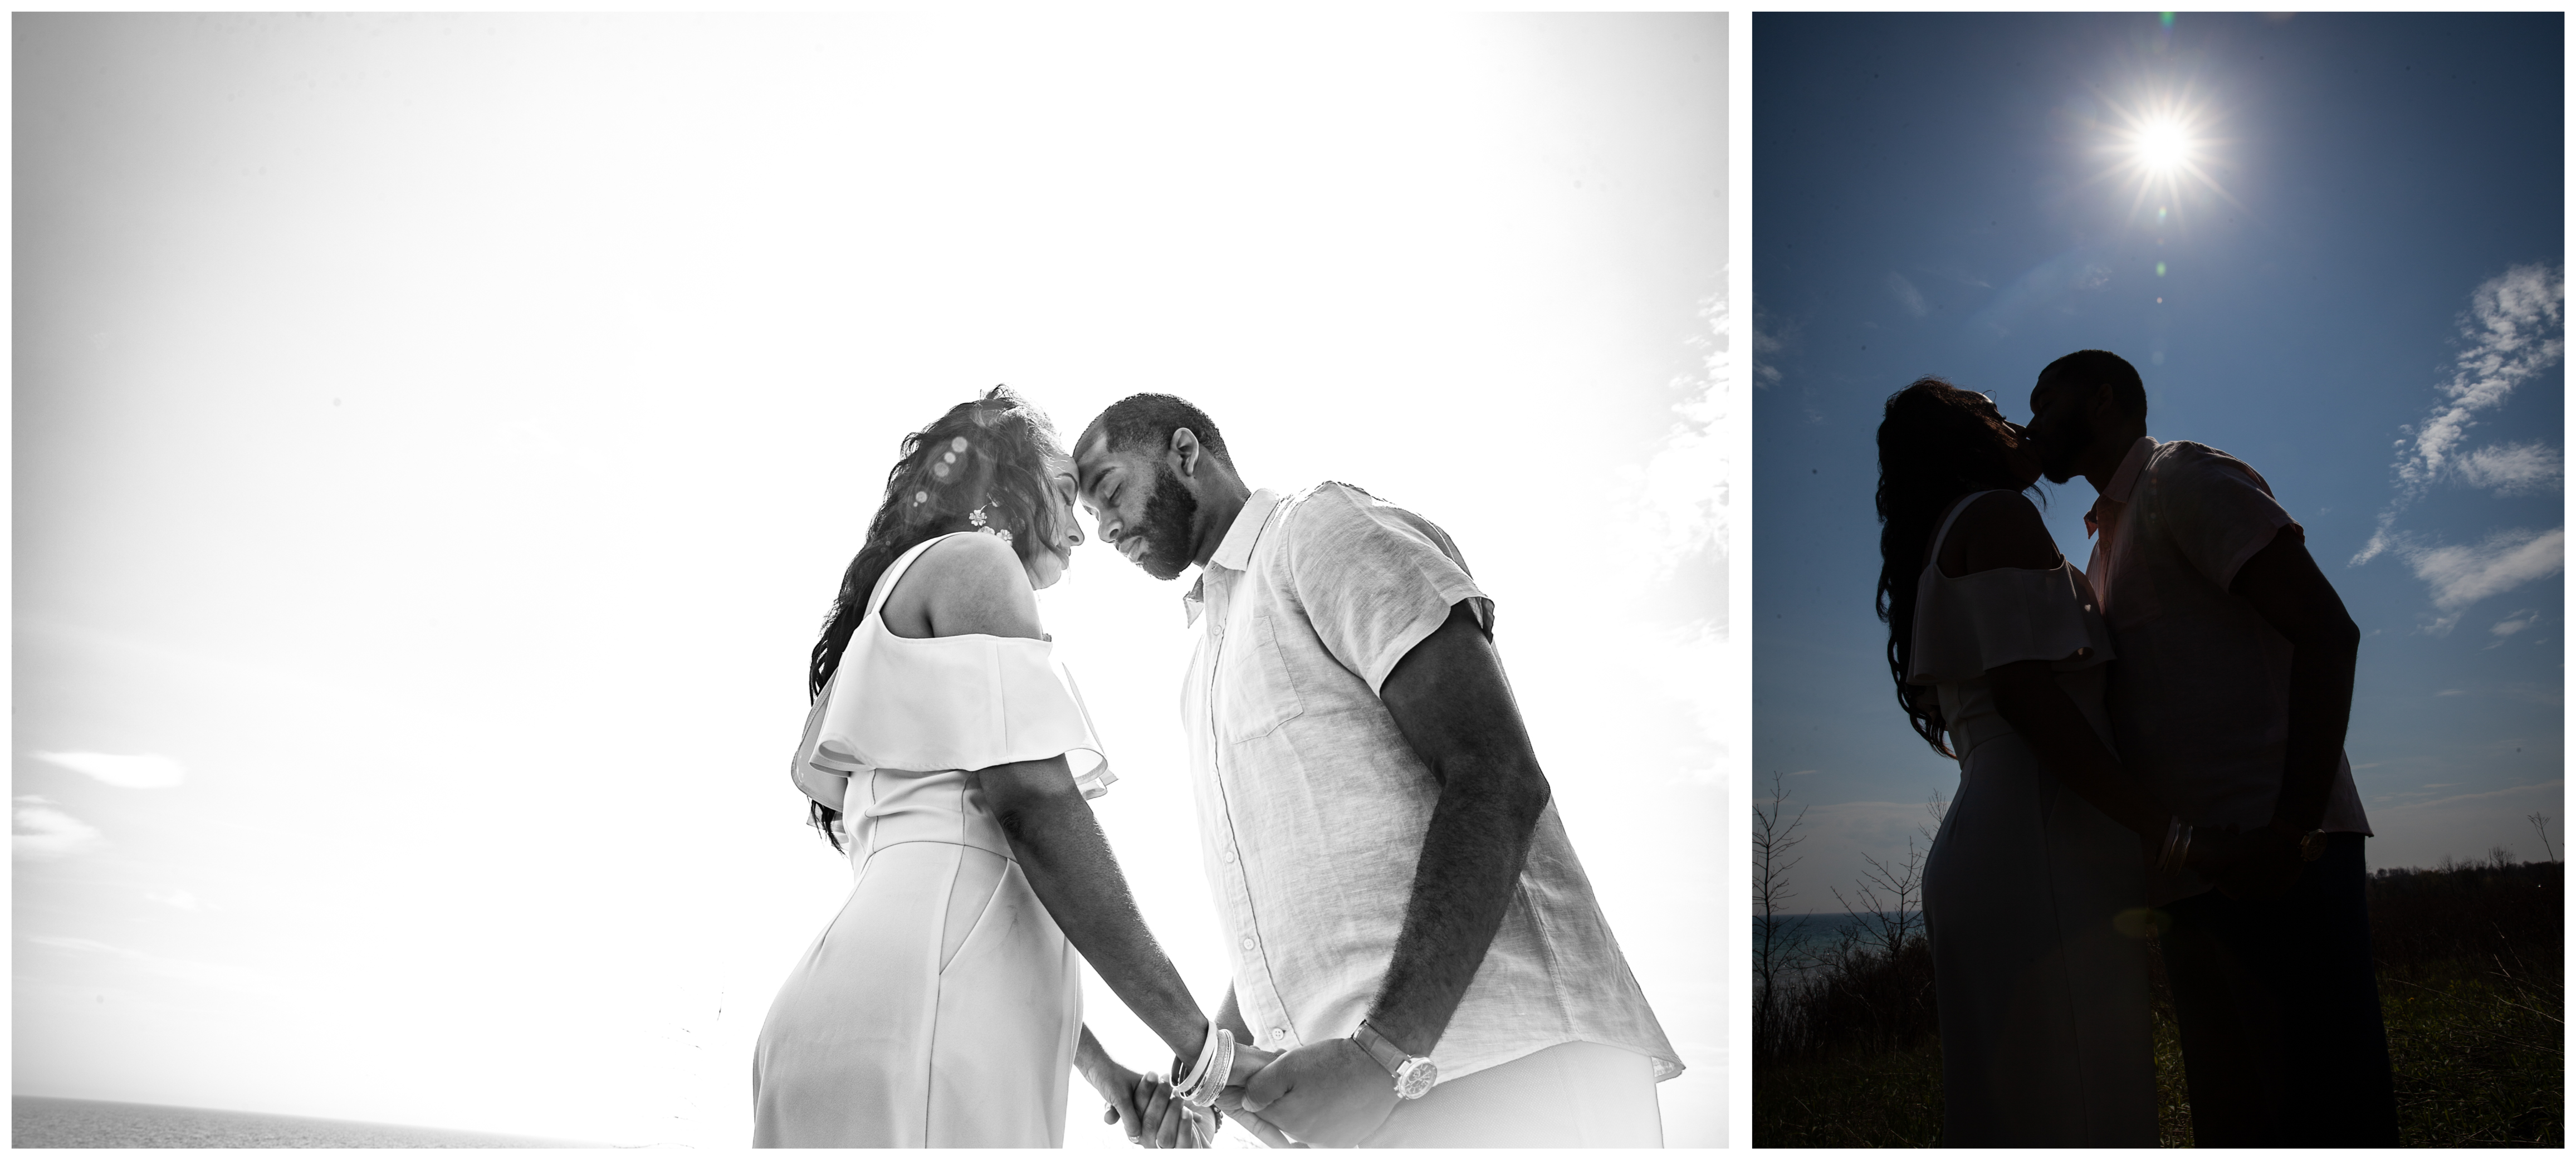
(1148, 420)
(2084, 368)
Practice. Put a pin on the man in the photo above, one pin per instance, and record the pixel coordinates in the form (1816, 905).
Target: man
(1398, 895)
(2229, 700)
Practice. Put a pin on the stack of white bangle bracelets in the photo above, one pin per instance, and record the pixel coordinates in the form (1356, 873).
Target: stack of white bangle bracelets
(1207, 1079)
(2177, 846)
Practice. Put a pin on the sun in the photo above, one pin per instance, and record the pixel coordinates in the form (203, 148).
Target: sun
(2163, 145)
(2159, 144)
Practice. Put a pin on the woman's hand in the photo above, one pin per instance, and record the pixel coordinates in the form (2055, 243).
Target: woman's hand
(1117, 1087)
(1156, 1118)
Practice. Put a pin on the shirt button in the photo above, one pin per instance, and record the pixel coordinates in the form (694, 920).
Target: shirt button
(1247, 942)
(1279, 1035)
(1225, 855)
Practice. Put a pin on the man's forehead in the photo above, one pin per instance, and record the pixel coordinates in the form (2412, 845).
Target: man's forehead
(1092, 456)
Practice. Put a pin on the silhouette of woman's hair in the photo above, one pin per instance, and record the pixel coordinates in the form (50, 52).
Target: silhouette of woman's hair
(1935, 444)
(988, 464)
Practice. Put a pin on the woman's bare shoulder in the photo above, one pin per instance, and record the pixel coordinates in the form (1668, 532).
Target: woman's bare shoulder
(1999, 529)
(964, 585)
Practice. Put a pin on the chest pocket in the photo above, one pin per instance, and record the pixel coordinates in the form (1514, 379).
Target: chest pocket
(1254, 695)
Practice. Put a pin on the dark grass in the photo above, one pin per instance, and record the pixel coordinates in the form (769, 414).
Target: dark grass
(2470, 990)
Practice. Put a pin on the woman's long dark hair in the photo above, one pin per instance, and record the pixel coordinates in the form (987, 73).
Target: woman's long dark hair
(1936, 444)
(996, 454)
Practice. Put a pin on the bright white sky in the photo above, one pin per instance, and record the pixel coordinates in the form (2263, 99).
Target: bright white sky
(437, 439)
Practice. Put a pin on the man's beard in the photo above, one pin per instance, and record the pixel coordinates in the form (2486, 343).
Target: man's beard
(2057, 456)
(1170, 514)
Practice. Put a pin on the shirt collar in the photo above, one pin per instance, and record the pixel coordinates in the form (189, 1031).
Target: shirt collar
(2126, 478)
(1235, 550)
(2116, 493)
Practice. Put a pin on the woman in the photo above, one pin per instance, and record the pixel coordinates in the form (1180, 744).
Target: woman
(942, 1007)
(2034, 891)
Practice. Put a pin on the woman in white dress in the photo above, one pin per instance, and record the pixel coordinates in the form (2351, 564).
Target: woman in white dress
(942, 1006)
(2034, 892)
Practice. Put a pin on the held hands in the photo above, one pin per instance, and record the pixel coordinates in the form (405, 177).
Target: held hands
(1328, 1093)
(2262, 863)
(1250, 1061)
(1144, 1106)
(1154, 1117)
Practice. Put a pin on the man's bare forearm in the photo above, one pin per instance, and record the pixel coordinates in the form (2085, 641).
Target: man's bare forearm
(2288, 591)
(1471, 864)
(2321, 677)
(1452, 703)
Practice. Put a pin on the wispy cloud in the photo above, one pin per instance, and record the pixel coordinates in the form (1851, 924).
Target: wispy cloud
(1906, 295)
(178, 899)
(2515, 623)
(39, 830)
(2043, 285)
(2514, 329)
(2493, 793)
(1768, 343)
(132, 771)
(2512, 468)
(1680, 503)
(2461, 575)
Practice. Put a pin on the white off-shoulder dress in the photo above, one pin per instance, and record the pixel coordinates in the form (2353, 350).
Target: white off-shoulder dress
(2031, 895)
(940, 1007)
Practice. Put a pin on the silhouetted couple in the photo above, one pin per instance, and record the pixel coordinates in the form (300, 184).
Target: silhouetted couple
(2151, 745)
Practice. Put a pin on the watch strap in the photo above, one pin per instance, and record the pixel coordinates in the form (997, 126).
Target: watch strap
(1381, 1048)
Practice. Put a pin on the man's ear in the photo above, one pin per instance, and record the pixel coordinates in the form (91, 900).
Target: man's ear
(1185, 452)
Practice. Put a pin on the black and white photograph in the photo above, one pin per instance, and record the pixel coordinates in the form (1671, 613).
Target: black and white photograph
(1005, 579)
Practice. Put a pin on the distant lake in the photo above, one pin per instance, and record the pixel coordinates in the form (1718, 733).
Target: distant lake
(45, 1122)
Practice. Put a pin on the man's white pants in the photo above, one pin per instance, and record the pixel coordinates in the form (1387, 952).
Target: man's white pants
(1572, 1095)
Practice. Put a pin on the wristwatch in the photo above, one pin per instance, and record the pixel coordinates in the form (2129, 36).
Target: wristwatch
(2312, 845)
(1414, 1074)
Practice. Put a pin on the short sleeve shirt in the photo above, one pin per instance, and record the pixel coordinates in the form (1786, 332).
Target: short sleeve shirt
(2200, 694)
(1312, 807)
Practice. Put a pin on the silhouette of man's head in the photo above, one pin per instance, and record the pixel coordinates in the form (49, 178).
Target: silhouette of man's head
(2080, 400)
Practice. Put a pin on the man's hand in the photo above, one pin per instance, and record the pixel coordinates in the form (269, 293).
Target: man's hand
(1328, 1093)
(2266, 865)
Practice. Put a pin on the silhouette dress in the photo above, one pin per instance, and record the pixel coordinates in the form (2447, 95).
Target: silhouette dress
(2032, 897)
(940, 1006)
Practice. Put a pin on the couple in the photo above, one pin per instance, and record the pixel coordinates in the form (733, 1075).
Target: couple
(1400, 903)
(2154, 744)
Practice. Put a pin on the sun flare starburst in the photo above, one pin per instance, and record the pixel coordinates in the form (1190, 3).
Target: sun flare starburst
(2160, 144)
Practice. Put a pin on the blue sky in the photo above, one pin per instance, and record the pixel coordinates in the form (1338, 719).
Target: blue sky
(2357, 292)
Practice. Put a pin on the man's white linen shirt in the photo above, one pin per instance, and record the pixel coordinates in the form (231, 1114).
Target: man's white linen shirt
(1313, 808)
(2200, 694)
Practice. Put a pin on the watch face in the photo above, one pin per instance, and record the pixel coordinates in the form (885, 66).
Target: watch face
(1415, 1079)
